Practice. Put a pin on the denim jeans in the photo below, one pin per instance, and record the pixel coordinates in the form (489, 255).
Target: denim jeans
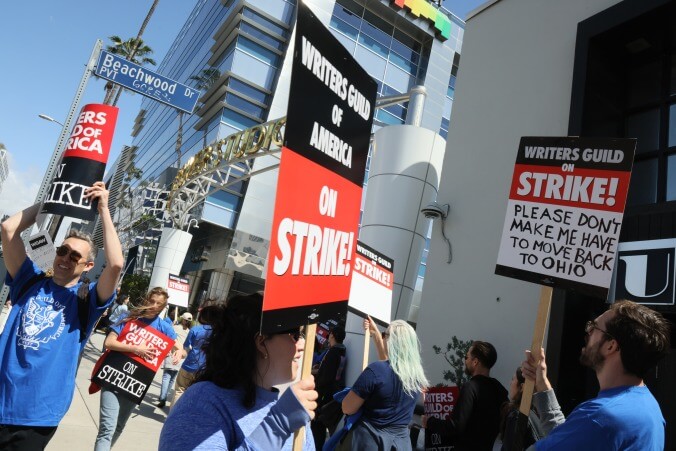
(113, 415)
(168, 378)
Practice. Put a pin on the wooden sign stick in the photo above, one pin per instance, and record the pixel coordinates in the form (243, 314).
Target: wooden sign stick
(529, 386)
(367, 341)
(308, 352)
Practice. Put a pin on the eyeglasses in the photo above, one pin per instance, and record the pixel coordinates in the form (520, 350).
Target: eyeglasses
(74, 256)
(591, 325)
(385, 335)
(295, 334)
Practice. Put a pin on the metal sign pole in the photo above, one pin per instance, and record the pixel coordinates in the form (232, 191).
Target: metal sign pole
(42, 222)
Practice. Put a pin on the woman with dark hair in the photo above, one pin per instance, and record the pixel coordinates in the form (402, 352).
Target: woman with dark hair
(233, 402)
(387, 391)
(510, 415)
(115, 408)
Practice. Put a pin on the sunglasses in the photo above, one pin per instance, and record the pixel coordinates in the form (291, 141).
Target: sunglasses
(74, 256)
(295, 334)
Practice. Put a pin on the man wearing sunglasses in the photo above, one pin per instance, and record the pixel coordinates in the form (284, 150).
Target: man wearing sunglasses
(40, 346)
(621, 346)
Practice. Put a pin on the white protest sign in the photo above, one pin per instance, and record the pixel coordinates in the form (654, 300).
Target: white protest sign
(372, 282)
(179, 291)
(41, 250)
(565, 210)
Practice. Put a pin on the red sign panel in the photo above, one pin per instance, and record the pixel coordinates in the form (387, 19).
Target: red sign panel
(83, 163)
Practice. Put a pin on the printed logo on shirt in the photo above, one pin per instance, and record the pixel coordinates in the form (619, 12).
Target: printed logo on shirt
(41, 322)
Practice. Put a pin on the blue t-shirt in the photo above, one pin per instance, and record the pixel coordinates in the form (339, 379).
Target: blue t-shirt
(212, 418)
(39, 349)
(621, 418)
(385, 401)
(193, 344)
(156, 323)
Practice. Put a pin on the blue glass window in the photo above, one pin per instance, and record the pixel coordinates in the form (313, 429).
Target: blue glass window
(374, 64)
(374, 45)
(387, 118)
(266, 23)
(248, 90)
(403, 63)
(349, 12)
(344, 28)
(258, 51)
(237, 120)
(255, 32)
(244, 105)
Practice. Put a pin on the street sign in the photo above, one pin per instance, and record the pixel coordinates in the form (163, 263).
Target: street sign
(150, 84)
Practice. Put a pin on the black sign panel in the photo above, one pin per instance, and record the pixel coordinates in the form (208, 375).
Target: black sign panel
(331, 101)
(126, 376)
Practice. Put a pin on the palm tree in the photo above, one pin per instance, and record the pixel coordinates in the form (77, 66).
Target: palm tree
(134, 50)
(205, 80)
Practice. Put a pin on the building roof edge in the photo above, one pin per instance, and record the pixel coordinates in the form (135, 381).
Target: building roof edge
(479, 9)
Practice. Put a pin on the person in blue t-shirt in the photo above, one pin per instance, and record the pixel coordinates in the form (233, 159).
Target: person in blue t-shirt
(194, 357)
(115, 408)
(47, 328)
(622, 345)
(387, 391)
(233, 403)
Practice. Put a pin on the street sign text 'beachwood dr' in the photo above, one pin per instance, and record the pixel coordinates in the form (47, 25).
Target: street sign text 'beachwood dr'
(150, 84)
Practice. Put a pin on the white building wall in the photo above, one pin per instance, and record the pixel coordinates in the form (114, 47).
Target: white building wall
(515, 80)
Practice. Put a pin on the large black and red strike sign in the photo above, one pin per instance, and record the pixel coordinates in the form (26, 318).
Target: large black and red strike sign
(84, 162)
(127, 373)
(314, 229)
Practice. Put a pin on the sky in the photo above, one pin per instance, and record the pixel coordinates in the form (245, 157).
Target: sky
(44, 46)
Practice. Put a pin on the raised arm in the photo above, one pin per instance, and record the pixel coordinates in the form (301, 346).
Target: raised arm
(372, 327)
(13, 248)
(111, 244)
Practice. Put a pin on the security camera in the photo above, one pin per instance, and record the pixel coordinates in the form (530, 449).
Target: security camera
(435, 211)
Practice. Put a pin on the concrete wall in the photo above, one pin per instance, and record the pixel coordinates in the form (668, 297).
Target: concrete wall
(515, 80)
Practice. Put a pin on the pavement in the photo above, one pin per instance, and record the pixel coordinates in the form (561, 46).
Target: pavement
(77, 431)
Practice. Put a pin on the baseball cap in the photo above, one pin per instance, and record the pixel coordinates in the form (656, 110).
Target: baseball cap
(186, 316)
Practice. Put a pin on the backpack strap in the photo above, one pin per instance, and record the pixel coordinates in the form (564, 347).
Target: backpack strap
(31, 282)
(83, 308)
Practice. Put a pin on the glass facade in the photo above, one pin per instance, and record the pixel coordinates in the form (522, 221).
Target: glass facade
(231, 52)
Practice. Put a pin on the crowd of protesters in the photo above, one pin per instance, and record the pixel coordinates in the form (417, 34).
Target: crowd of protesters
(227, 371)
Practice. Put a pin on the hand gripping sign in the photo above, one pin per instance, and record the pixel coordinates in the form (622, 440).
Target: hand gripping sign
(84, 162)
(127, 373)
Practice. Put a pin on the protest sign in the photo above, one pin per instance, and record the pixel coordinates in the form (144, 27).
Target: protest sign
(372, 282)
(128, 373)
(565, 210)
(179, 291)
(41, 250)
(83, 163)
(315, 223)
(439, 403)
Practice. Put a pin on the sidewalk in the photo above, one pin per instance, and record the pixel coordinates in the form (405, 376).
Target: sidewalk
(77, 431)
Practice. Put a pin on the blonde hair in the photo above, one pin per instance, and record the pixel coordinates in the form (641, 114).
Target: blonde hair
(403, 349)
